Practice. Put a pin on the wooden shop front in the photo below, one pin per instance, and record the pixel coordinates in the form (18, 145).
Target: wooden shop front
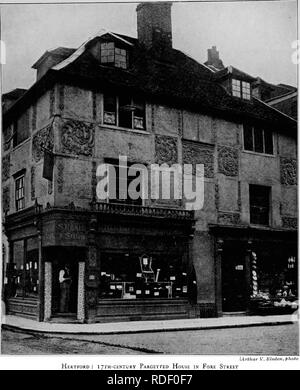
(126, 263)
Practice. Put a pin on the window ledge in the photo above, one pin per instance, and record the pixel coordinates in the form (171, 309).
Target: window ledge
(259, 154)
(113, 127)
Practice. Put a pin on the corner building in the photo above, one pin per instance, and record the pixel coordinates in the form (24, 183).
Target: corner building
(144, 259)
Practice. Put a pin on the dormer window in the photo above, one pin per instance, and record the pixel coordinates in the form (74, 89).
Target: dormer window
(112, 55)
(241, 89)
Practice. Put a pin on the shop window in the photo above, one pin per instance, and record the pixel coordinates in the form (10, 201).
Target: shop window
(119, 182)
(274, 281)
(125, 276)
(19, 193)
(259, 204)
(112, 55)
(124, 111)
(258, 140)
(24, 276)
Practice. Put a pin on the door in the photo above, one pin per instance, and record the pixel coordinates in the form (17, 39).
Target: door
(234, 287)
(59, 293)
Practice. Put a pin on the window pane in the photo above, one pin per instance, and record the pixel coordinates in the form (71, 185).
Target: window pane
(248, 137)
(268, 135)
(110, 109)
(107, 52)
(125, 111)
(259, 204)
(258, 140)
(139, 113)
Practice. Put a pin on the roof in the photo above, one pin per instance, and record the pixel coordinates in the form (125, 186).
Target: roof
(14, 94)
(234, 72)
(62, 52)
(169, 76)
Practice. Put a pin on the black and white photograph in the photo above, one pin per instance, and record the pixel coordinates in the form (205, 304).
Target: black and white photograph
(149, 183)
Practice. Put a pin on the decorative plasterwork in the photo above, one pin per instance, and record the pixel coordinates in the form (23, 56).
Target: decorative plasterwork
(228, 218)
(166, 150)
(42, 139)
(32, 182)
(78, 137)
(6, 167)
(196, 153)
(228, 161)
(288, 171)
(289, 222)
(5, 198)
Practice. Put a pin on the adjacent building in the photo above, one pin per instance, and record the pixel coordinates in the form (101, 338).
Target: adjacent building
(149, 258)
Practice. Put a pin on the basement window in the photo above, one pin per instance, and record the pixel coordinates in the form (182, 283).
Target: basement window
(112, 55)
(124, 111)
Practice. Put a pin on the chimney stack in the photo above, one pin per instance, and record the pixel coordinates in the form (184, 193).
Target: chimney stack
(213, 58)
(154, 25)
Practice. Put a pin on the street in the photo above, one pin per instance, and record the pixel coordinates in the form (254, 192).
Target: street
(261, 340)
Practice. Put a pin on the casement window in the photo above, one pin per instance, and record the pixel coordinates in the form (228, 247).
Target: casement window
(112, 55)
(119, 182)
(259, 204)
(241, 89)
(124, 111)
(258, 140)
(19, 193)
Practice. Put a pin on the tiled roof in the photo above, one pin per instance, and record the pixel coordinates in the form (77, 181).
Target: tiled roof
(170, 76)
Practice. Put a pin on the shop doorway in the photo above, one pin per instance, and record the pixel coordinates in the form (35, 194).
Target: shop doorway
(65, 261)
(234, 287)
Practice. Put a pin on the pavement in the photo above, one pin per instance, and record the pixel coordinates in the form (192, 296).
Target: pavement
(20, 323)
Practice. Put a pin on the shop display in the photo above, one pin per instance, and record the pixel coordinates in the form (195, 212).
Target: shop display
(273, 292)
(147, 282)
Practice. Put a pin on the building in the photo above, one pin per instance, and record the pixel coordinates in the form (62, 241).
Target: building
(145, 259)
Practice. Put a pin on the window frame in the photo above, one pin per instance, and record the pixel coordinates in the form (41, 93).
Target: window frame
(117, 115)
(241, 89)
(268, 207)
(264, 141)
(114, 62)
(115, 163)
(20, 199)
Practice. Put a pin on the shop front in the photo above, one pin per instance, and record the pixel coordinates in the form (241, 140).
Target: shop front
(95, 266)
(256, 270)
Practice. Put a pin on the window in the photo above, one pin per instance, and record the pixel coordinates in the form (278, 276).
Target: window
(241, 89)
(258, 140)
(259, 204)
(246, 90)
(119, 183)
(19, 193)
(124, 111)
(236, 88)
(112, 55)
(129, 276)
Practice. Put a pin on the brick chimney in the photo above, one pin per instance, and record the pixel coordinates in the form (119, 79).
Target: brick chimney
(154, 25)
(213, 58)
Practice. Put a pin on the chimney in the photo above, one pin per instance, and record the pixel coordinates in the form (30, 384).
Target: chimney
(213, 58)
(154, 25)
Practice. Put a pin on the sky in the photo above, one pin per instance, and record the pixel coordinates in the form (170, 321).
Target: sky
(254, 36)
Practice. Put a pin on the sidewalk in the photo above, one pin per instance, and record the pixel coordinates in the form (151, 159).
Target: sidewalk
(19, 323)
